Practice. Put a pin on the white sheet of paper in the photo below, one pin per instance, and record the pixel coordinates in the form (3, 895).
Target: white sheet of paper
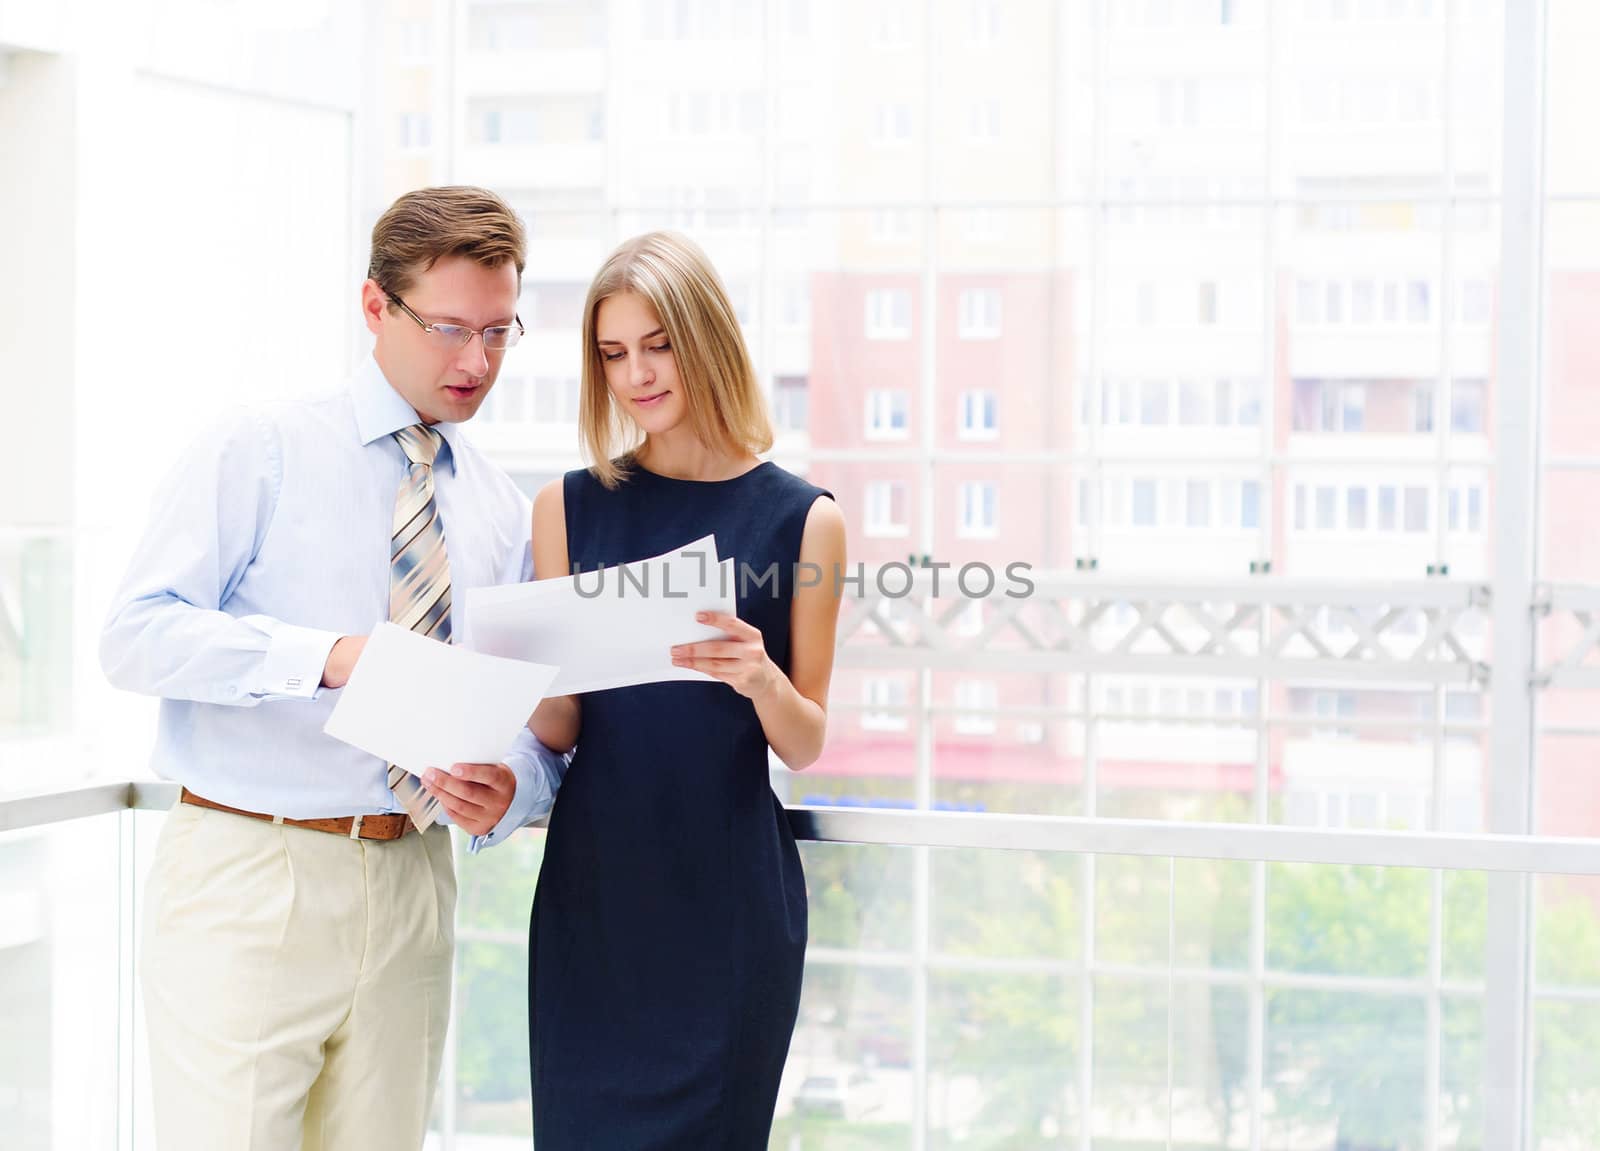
(419, 703)
(618, 630)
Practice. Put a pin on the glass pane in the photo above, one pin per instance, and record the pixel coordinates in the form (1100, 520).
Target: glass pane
(493, 902)
(1572, 37)
(1364, 756)
(1567, 932)
(1353, 119)
(1006, 905)
(1002, 1055)
(62, 947)
(1205, 904)
(848, 1080)
(997, 747)
(870, 758)
(1152, 764)
(1185, 99)
(860, 896)
(1130, 1059)
(1210, 1066)
(1382, 913)
(1466, 925)
(1343, 1069)
(36, 596)
(1569, 784)
(1461, 1082)
(1566, 1094)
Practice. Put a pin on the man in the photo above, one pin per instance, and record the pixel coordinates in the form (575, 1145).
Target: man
(299, 922)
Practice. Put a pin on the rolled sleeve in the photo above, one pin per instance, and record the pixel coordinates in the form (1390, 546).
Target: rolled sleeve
(539, 773)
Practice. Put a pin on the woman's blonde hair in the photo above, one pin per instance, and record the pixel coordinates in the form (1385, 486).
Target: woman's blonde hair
(720, 391)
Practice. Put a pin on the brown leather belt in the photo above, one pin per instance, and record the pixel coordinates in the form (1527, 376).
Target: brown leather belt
(351, 826)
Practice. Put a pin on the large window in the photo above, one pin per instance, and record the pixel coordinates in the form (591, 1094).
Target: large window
(1196, 306)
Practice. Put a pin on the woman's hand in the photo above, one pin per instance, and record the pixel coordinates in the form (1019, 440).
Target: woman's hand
(740, 660)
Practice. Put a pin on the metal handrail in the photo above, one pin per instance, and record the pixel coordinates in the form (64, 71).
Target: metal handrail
(1162, 839)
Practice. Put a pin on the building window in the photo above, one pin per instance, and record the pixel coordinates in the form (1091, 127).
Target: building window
(884, 692)
(983, 121)
(1195, 403)
(885, 511)
(888, 314)
(1329, 406)
(1476, 303)
(891, 124)
(978, 416)
(1144, 504)
(983, 225)
(1422, 409)
(1466, 407)
(888, 414)
(416, 130)
(891, 23)
(1250, 505)
(1154, 403)
(979, 317)
(555, 399)
(977, 699)
(1145, 311)
(1416, 507)
(1419, 302)
(979, 519)
(791, 404)
(1355, 509)
(891, 226)
(794, 305)
(1466, 509)
(1308, 303)
(1197, 504)
(984, 22)
(1363, 302)
(1327, 508)
(1388, 508)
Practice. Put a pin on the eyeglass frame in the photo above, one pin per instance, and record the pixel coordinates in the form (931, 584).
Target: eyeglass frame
(516, 325)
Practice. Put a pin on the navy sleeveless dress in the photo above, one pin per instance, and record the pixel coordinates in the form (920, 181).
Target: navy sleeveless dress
(668, 934)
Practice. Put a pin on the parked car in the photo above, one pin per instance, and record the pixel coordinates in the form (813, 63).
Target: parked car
(841, 1094)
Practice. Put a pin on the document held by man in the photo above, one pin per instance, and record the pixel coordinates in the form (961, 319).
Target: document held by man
(419, 703)
(611, 627)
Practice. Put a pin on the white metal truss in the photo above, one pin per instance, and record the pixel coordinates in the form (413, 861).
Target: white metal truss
(1413, 632)
(1569, 615)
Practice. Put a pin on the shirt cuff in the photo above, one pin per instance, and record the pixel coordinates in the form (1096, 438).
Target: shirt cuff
(295, 659)
(539, 771)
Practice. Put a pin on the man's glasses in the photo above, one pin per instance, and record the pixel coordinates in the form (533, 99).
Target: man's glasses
(453, 336)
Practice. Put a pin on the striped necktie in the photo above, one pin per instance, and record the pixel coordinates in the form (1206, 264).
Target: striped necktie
(419, 582)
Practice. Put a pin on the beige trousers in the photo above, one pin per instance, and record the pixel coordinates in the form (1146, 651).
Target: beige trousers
(296, 984)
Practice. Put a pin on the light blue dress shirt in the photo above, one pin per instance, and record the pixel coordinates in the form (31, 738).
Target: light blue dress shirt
(269, 541)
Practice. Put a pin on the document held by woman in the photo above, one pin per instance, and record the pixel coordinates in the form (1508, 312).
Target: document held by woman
(611, 627)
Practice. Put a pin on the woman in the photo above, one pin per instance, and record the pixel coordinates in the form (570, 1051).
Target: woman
(669, 925)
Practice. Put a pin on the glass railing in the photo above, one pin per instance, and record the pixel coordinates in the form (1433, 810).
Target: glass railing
(971, 981)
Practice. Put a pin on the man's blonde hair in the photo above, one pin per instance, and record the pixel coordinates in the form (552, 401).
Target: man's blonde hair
(720, 391)
(425, 226)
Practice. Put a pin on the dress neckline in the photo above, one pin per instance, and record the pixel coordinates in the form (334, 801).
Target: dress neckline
(636, 466)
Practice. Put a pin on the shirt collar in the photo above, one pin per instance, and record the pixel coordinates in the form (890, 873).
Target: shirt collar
(381, 411)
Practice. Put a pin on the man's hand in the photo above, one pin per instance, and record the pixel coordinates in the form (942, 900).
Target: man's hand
(477, 795)
(342, 660)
